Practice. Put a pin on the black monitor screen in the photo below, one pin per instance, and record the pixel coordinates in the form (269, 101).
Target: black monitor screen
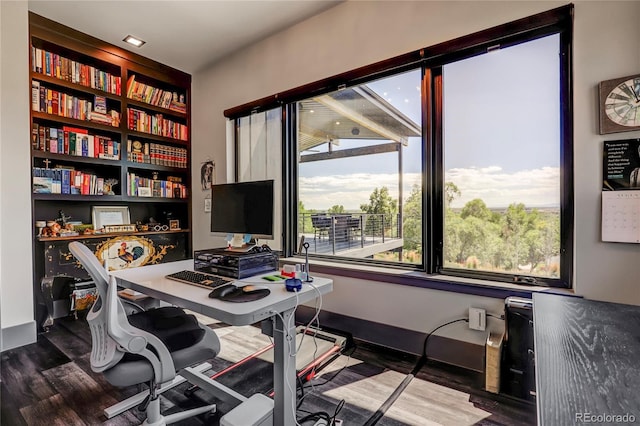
(243, 208)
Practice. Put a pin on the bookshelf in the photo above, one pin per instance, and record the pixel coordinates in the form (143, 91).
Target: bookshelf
(109, 128)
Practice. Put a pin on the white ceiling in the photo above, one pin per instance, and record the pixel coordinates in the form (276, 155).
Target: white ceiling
(187, 35)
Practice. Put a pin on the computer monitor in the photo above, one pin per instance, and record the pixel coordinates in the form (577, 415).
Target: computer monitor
(243, 208)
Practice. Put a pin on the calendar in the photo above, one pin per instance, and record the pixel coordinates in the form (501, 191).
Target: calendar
(621, 216)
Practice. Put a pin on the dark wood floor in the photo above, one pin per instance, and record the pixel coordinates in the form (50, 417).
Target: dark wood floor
(51, 383)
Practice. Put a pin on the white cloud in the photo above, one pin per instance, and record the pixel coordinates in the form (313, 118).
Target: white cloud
(536, 187)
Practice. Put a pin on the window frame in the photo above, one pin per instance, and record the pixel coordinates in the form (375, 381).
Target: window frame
(431, 60)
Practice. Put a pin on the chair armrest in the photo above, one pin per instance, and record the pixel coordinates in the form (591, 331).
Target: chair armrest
(134, 340)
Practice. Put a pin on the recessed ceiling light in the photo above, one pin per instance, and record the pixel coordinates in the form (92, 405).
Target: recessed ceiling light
(134, 41)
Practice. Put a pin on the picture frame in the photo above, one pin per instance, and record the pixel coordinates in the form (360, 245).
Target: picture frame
(144, 191)
(174, 225)
(109, 215)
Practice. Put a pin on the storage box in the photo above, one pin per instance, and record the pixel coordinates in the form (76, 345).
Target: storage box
(493, 357)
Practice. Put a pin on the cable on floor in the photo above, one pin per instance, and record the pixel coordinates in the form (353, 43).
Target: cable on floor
(380, 412)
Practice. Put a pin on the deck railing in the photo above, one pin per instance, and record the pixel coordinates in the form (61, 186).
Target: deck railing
(350, 228)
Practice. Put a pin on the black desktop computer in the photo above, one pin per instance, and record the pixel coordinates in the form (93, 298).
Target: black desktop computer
(234, 264)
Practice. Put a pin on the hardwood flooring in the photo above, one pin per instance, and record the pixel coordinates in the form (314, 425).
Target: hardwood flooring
(51, 383)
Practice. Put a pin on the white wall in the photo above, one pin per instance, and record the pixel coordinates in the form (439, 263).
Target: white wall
(358, 33)
(16, 276)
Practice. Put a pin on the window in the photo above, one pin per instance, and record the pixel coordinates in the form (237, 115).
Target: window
(258, 157)
(360, 171)
(456, 159)
(501, 141)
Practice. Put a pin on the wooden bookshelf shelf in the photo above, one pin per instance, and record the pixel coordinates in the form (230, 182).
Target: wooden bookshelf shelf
(65, 64)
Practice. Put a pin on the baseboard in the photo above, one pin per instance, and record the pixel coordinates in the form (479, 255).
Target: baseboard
(450, 351)
(18, 335)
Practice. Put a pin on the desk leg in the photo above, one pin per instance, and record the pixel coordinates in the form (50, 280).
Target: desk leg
(284, 369)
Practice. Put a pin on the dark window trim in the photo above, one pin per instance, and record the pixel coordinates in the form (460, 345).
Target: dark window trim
(431, 59)
(442, 283)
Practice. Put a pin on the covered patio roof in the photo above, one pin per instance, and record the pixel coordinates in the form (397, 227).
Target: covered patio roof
(352, 113)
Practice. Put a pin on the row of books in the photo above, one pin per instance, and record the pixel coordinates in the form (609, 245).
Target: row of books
(154, 153)
(61, 104)
(154, 96)
(66, 181)
(73, 141)
(54, 65)
(156, 125)
(138, 186)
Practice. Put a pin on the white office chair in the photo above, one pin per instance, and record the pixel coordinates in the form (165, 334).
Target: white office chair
(150, 346)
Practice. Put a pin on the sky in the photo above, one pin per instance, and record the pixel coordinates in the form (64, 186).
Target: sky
(501, 135)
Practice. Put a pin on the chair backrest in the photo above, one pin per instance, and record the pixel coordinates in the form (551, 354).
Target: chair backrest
(104, 350)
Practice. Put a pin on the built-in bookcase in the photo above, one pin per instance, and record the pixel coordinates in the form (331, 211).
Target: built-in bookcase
(109, 129)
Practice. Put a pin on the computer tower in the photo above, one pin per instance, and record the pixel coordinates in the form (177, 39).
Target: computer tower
(518, 369)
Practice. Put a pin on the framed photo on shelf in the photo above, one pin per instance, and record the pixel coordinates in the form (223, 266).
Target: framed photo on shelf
(109, 215)
(174, 225)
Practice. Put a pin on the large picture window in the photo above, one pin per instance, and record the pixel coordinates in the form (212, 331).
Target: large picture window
(502, 143)
(360, 171)
(456, 159)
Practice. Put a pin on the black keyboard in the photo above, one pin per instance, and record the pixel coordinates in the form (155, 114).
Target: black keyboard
(199, 278)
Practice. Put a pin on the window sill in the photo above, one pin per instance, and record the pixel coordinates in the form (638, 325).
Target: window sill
(477, 287)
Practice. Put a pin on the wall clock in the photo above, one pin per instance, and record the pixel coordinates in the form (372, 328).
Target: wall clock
(619, 104)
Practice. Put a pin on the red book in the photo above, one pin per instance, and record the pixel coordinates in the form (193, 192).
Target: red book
(75, 129)
(86, 184)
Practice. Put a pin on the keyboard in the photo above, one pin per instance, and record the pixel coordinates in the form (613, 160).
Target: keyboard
(199, 278)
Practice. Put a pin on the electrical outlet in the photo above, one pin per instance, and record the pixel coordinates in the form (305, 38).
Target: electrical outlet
(207, 205)
(477, 319)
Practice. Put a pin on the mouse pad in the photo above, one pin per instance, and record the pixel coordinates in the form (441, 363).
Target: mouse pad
(240, 295)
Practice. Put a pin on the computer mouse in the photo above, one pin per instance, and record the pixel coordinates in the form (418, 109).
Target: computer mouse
(223, 291)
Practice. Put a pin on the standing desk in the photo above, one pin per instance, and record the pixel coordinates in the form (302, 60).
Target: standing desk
(151, 281)
(587, 355)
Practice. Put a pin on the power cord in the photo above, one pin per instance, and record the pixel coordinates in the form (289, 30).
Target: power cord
(409, 377)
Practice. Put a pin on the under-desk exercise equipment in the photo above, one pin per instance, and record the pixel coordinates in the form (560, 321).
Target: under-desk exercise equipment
(317, 349)
(277, 308)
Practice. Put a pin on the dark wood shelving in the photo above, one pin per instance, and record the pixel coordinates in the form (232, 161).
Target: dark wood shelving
(75, 158)
(149, 136)
(156, 167)
(134, 199)
(112, 234)
(49, 253)
(74, 86)
(77, 197)
(73, 122)
(165, 111)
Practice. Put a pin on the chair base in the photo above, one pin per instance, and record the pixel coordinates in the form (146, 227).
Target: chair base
(154, 418)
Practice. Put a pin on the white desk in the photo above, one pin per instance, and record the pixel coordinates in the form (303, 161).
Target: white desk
(151, 280)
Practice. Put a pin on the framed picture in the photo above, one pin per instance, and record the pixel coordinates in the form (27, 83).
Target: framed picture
(144, 191)
(109, 215)
(174, 225)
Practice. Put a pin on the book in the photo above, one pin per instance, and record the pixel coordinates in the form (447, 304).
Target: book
(35, 95)
(100, 104)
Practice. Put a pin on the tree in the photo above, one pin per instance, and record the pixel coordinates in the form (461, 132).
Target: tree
(476, 208)
(412, 220)
(451, 192)
(336, 209)
(304, 218)
(380, 203)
